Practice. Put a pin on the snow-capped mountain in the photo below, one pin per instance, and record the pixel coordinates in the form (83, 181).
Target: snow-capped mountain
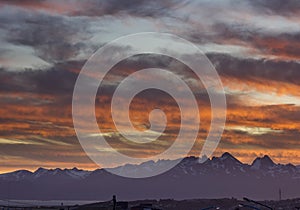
(43, 173)
(223, 176)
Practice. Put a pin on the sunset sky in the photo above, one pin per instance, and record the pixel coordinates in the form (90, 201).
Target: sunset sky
(253, 44)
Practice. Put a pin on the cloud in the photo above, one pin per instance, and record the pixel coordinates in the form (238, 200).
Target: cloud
(254, 46)
(97, 8)
(258, 74)
(40, 105)
(53, 38)
(277, 7)
(282, 46)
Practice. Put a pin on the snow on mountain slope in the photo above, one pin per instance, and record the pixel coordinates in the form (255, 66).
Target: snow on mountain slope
(16, 175)
(227, 164)
(42, 173)
(218, 176)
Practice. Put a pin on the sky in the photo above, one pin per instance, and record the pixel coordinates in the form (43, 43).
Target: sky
(253, 44)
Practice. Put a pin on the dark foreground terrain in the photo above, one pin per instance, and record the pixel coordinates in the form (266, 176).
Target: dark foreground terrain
(198, 204)
(170, 204)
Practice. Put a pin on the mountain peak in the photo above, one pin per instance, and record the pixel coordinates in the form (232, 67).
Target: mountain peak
(226, 160)
(227, 155)
(190, 158)
(75, 169)
(267, 158)
(262, 162)
(40, 169)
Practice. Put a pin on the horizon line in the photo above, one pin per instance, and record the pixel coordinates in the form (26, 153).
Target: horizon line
(191, 156)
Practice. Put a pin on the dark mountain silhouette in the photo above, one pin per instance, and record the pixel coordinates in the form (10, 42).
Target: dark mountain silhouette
(217, 177)
(263, 163)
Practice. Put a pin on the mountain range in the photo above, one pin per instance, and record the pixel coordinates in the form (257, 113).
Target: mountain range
(217, 177)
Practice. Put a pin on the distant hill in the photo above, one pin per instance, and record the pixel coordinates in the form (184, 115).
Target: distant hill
(218, 177)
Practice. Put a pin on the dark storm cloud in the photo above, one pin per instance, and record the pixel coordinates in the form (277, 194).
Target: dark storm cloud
(284, 44)
(281, 45)
(53, 38)
(281, 7)
(139, 8)
(57, 80)
(57, 83)
(247, 69)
